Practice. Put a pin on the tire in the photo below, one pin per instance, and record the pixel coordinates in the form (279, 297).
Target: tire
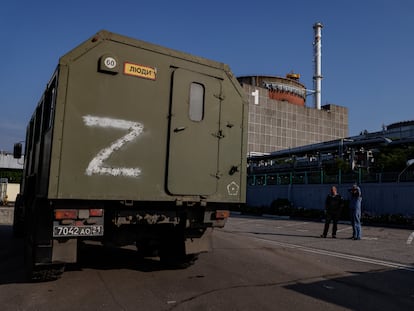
(147, 250)
(18, 219)
(36, 272)
(18, 223)
(39, 273)
(172, 253)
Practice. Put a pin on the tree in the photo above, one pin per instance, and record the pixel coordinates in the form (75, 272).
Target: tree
(393, 159)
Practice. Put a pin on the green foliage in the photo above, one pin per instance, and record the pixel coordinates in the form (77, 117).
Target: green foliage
(393, 159)
(281, 207)
(343, 165)
(12, 175)
(389, 219)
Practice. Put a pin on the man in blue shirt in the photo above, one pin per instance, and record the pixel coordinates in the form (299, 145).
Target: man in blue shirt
(355, 208)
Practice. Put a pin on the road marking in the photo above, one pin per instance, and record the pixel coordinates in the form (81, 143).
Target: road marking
(344, 229)
(341, 255)
(410, 238)
(244, 222)
(328, 287)
(296, 224)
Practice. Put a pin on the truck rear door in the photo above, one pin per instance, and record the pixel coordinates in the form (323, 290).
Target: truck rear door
(194, 134)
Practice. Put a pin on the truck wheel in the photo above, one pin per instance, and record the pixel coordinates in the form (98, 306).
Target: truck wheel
(49, 273)
(172, 253)
(147, 250)
(18, 220)
(18, 224)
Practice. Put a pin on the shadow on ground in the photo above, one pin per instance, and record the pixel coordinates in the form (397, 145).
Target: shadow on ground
(374, 290)
(89, 257)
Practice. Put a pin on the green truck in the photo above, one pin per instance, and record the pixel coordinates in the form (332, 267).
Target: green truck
(130, 144)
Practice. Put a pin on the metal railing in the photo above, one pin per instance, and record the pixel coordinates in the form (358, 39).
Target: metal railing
(321, 177)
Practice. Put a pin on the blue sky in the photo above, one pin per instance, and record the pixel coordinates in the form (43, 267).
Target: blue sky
(367, 47)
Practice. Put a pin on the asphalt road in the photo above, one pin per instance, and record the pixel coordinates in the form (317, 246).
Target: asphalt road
(255, 264)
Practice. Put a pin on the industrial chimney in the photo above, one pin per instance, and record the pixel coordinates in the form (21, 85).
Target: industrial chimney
(317, 78)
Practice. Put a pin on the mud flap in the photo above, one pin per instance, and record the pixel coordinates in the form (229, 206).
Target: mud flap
(37, 251)
(65, 250)
(36, 271)
(199, 245)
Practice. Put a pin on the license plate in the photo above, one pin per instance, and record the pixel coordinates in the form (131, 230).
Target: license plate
(74, 231)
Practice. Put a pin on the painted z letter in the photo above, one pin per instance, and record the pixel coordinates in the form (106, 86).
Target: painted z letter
(97, 165)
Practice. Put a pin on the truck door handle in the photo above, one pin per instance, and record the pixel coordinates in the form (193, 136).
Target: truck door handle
(179, 129)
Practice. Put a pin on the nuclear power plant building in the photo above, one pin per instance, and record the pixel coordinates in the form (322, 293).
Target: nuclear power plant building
(280, 119)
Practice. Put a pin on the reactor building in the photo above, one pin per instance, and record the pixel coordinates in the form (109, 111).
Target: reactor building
(278, 115)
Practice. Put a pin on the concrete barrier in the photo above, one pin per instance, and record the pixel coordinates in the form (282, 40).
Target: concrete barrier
(6, 215)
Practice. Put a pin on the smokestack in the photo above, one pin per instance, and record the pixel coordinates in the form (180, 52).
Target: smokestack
(317, 78)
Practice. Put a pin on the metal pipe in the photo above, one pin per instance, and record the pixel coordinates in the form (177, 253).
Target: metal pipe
(317, 78)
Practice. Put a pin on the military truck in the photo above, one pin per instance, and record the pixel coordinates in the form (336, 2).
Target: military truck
(131, 144)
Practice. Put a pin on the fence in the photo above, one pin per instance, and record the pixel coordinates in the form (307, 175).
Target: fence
(323, 177)
(378, 198)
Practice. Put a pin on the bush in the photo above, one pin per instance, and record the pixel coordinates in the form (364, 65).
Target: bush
(281, 207)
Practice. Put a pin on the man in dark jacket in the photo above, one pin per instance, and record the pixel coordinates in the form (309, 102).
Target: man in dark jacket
(333, 207)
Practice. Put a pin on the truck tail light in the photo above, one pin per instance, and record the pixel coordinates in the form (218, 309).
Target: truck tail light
(96, 212)
(222, 214)
(66, 214)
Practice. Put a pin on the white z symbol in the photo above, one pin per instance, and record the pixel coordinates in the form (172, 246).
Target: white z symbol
(96, 166)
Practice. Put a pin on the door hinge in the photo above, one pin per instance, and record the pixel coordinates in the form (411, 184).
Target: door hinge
(220, 96)
(179, 129)
(219, 134)
(234, 169)
(218, 175)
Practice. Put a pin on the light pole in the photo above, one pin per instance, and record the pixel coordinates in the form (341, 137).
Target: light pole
(408, 164)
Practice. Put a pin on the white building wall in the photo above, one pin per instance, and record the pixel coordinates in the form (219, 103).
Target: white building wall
(8, 161)
(12, 191)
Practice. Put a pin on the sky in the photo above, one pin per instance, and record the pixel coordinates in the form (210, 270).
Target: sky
(367, 47)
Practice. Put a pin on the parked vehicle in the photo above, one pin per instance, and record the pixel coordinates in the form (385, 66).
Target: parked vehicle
(130, 144)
